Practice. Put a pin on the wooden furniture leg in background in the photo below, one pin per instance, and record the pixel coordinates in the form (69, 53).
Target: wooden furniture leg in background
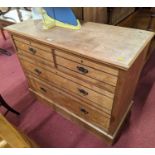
(152, 11)
(3, 51)
(4, 104)
(109, 11)
(3, 35)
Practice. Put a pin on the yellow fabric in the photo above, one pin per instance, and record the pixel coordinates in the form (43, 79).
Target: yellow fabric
(49, 22)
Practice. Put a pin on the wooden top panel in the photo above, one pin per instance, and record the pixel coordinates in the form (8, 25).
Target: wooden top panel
(113, 45)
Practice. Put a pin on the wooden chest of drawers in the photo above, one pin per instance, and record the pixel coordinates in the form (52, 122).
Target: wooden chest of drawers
(88, 75)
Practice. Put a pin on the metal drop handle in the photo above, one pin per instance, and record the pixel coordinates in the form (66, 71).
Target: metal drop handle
(37, 71)
(32, 50)
(43, 89)
(82, 70)
(84, 111)
(83, 92)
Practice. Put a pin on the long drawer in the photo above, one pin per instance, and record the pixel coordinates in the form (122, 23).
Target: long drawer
(100, 100)
(86, 112)
(105, 88)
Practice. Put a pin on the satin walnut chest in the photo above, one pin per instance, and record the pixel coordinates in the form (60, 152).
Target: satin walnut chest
(87, 75)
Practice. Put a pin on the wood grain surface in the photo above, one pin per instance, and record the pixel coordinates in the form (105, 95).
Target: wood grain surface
(89, 73)
(11, 137)
(113, 45)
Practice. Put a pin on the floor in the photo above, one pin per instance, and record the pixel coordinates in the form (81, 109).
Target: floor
(49, 129)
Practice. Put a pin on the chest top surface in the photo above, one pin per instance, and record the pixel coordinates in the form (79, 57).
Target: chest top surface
(109, 44)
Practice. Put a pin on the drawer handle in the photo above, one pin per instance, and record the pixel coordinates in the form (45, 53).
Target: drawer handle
(84, 111)
(82, 70)
(43, 89)
(83, 92)
(32, 50)
(37, 71)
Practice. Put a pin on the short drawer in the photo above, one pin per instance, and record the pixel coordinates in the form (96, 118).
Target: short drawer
(24, 56)
(86, 71)
(23, 40)
(100, 100)
(32, 43)
(84, 111)
(87, 62)
(33, 51)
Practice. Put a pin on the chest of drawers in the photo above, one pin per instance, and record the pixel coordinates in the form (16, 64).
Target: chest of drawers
(88, 75)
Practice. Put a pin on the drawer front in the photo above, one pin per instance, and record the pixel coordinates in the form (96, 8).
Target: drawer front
(32, 43)
(24, 56)
(106, 89)
(86, 71)
(23, 40)
(84, 111)
(87, 62)
(33, 51)
(86, 93)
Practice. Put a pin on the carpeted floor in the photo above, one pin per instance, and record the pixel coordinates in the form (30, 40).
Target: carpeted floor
(49, 129)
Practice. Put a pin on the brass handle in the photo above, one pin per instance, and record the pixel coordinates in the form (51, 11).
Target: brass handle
(83, 92)
(82, 70)
(37, 71)
(84, 111)
(43, 89)
(32, 50)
